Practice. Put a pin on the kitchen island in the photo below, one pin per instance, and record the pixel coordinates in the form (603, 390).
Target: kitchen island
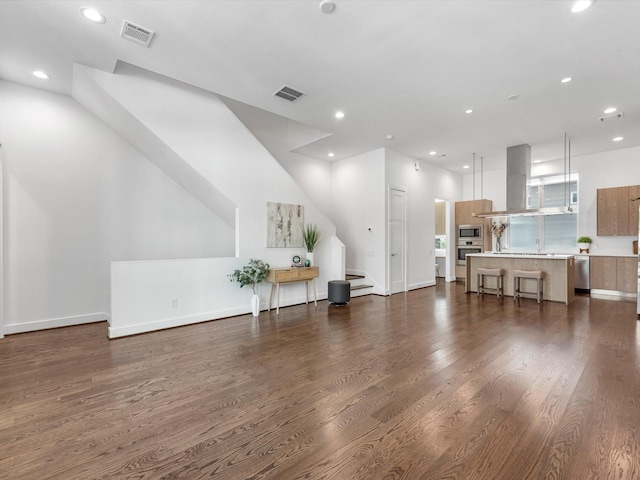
(559, 272)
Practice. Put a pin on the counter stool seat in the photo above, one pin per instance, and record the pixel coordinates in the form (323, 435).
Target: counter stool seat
(498, 273)
(534, 274)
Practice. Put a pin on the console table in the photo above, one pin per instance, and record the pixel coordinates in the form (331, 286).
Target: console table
(290, 275)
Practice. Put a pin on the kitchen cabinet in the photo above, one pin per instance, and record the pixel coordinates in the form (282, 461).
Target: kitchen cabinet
(464, 216)
(617, 212)
(617, 274)
(441, 218)
(634, 205)
(559, 273)
(465, 211)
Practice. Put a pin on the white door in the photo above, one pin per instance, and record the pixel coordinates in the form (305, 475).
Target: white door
(397, 262)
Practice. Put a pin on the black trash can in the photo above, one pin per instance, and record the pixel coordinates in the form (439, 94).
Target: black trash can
(339, 292)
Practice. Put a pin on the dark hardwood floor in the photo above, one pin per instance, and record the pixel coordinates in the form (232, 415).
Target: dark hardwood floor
(432, 384)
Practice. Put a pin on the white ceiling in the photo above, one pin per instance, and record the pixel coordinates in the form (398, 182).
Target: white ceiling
(405, 68)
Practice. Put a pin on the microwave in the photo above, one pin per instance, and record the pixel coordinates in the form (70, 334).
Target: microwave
(470, 233)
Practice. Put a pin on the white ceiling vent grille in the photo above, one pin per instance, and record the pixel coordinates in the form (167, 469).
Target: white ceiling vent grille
(289, 93)
(136, 33)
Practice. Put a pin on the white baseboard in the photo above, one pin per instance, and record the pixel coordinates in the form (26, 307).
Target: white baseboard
(55, 323)
(416, 286)
(137, 328)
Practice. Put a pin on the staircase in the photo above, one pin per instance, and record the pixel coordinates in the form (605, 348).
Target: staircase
(358, 285)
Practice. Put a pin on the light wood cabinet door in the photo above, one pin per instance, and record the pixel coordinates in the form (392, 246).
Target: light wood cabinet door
(610, 211)
(603, 273)
(619, 274)
(617, 211)
(627, 274)
(441, 218)
(465, 211)
(634, 206)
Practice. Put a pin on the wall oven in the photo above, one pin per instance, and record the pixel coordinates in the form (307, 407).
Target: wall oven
(464, 250)
(470, 232)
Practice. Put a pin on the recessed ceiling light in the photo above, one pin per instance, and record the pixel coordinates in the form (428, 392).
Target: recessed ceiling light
(389, 137)
(41, 74)
(93, 15)
(566, 79)
(327, 6)
(466, 166)
(618, 139)
(331, 154)
(513, 96)
(433, 152)
(581, 5)
(537, 161)
(610, 110)
(339, 114)
(468, 110)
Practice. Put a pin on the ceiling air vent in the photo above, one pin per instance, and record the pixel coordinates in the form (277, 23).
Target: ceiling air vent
(289, 93)
(136, 33)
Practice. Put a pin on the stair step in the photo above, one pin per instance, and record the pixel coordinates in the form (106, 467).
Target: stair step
(360, 287)
(353, 277)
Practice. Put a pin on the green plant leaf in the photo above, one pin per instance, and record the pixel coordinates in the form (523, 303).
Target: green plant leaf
(251, 274)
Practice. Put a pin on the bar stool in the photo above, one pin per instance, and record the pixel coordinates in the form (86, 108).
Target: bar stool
(535, 274)
(490, 272)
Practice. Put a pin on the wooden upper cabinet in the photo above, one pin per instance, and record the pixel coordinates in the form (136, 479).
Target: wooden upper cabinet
(634, 208)
(617, 213)
(465, 211)
(441, 218)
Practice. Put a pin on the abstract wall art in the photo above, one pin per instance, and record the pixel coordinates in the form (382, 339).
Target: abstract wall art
(284, 225)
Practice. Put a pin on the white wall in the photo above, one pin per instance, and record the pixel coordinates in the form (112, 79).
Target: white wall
(77, 197)
(358, 192)
(615, 168)
(313, 176)
(423, 187)
(202, 131)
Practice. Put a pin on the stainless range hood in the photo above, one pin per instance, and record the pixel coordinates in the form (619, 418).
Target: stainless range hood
(518, 173)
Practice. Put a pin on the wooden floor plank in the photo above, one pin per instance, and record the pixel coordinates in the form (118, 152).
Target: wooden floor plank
(431, 384)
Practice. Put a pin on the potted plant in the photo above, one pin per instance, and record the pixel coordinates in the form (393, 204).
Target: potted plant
(310, 238)
(584, 243)
(251, 274)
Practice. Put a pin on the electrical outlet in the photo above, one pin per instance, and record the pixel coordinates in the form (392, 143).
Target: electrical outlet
(174, 303)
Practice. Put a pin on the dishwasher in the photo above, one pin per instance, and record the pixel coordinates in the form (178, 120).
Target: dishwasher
(582, 273)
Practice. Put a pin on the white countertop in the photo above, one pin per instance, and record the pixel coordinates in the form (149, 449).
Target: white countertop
(543, 256)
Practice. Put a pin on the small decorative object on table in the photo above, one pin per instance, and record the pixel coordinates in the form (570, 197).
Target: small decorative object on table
(296, 261)
(584, 244)
(252, 274)
(310, 238)
(498, 229)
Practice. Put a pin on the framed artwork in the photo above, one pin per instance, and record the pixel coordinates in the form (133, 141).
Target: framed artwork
(284, 225)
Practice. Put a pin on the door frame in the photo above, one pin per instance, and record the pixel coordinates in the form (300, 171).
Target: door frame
(2, 298)
(403, 190)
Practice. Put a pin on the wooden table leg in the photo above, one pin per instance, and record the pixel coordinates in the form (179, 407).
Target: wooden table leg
(306, 288)
(315, 298)
(278, 298)
(270, 296)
